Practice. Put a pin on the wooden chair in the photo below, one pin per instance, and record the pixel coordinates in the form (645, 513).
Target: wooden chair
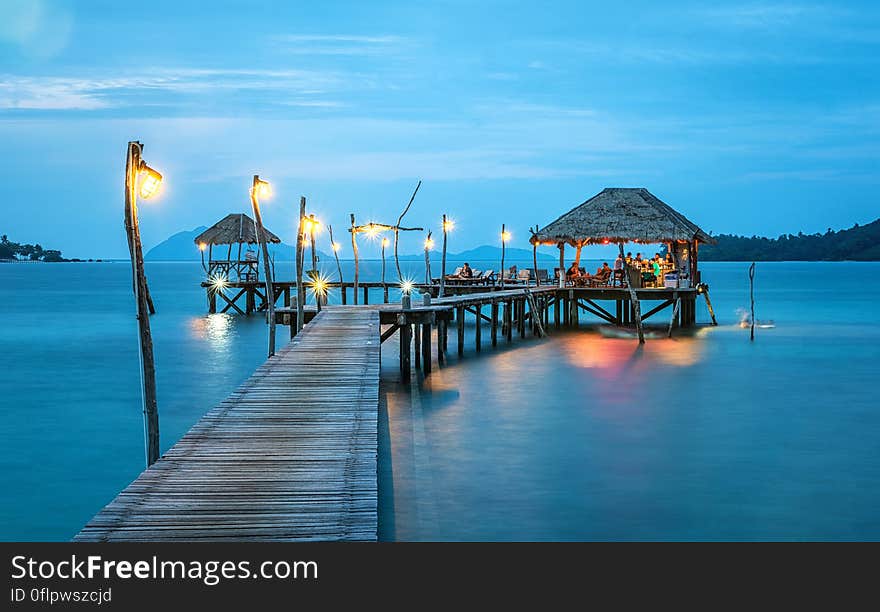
(524, 276)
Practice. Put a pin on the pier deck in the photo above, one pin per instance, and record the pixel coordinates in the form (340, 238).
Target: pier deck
(290, 455)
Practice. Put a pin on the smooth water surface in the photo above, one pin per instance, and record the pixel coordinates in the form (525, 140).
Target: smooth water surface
(572, 437)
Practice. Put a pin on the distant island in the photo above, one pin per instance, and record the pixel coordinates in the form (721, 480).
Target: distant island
(859, 243)
(13, 251)
(181, 247)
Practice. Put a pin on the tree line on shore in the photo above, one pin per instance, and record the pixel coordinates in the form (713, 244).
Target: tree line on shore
(858, 243)
(32, 252)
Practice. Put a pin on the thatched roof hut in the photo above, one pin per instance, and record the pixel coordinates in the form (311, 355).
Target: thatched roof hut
(621, 214)
(233, 229)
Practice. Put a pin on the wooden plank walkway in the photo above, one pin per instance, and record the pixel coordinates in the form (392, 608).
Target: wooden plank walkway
(290, 455)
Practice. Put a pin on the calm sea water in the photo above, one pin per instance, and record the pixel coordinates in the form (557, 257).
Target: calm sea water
(572, 437)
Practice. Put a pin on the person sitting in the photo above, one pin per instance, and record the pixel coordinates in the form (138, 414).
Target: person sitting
(466, 271)
(573, 272)
(603, 273)
(618, 263)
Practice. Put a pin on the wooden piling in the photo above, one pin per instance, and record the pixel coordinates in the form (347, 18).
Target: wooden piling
(478, 334)
(460, 322)
(405, 349)
(493, 331)
(426, 348)
(417, 344)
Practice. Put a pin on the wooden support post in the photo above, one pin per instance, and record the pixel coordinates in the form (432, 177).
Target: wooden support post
(212, 300)
(366, 294)
(405, 349)
(417, 335)
(561, 267)
(674, 315)
(441, 341)
(556, 317)
(509, 319)
(478, 310)
(460, 321)
(493, 331)
(705, 291)
(343, 292)
(354, 250)
(618, 312)
(250, 302)
(426, 348)
(287, 296)
(385, 294)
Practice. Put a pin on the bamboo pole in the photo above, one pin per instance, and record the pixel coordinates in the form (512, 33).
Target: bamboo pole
(535, 258)
(561, 269)
(300, 249)
(634, 298)
(335, 254)
(705, 290)
(503, 243)
(752, 297)
(428, 259)
(139, 286)
(397, 230)
(354, 250)
(674, 314)
(261, 239)
(443, 262)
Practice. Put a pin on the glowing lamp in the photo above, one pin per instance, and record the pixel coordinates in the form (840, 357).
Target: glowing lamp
(202, 246)
(150, 181)
(372, 231)
(505, 236)
(264, 190)
(429, 244)
(385, 242)
(335, 246)
(449, 225)
(406, 287)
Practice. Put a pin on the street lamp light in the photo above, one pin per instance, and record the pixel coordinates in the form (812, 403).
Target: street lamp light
(140, 178)
(261, 188)
(447, 224)
(505, 238)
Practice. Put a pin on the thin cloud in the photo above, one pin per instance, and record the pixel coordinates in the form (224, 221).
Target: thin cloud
(336, 44)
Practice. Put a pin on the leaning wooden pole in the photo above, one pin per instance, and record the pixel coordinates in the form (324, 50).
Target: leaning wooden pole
(300, 249)
(139, 285)
(443, 262)
(335, 248)
(354, 250)
(674, 314)
(503, 243)
(261, 239)
(535, 256)
(634, 298)
(752, 298)
(705, 290)
(428, 259)
(396, 233)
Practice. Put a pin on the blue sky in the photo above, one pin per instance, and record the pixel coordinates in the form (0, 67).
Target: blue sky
(748, 117)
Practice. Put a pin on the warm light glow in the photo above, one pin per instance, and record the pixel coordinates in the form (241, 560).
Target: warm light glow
(319, 285)
(264, 190)
(406, 286)
(150, 181)
(385, 242)
(218, 282)
(335, 246)
(202, 246)
(310, 225)
(449, 225)
(429, 244)
(605, 241)
(505, 236)
(372, 231)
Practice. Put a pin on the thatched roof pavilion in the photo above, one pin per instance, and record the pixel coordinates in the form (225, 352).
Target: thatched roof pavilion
(233, 229)
(621, 214)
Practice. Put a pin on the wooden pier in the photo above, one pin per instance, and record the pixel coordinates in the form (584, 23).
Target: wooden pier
(290, 455)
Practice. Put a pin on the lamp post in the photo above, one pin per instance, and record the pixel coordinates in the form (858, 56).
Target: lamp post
(140, 178)
(336, 248)
(385, 243)
(429, 244)
(505, 238)
(447, 227)
(260, 189)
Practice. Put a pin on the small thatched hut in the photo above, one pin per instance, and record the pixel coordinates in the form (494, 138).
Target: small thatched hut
(626, 214)
(236, 228)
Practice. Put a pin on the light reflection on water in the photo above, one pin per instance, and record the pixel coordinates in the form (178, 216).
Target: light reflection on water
(215, 328)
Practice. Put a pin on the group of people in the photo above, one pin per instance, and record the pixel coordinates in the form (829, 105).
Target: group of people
(657, 266)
